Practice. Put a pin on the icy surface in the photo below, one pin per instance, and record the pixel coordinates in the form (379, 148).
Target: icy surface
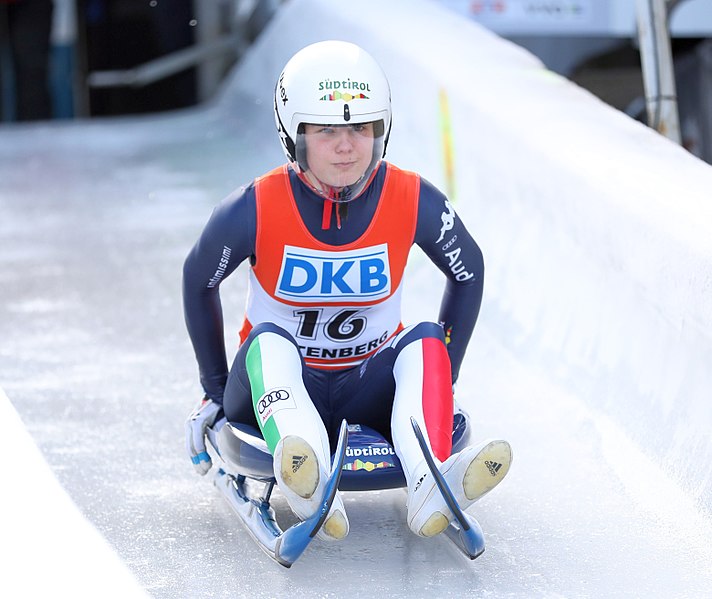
(96, 220)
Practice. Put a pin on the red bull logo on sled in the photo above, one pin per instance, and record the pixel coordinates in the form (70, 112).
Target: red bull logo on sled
(325, 276)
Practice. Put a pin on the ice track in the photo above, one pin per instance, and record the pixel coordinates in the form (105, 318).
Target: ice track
(96, 220)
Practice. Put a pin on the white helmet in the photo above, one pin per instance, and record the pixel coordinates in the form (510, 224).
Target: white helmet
(332, 83)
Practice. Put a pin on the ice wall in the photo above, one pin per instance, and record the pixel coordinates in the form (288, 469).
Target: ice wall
(597, 232)
(48, 546)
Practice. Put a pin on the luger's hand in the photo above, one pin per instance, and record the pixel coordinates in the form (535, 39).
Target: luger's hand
(205, 414)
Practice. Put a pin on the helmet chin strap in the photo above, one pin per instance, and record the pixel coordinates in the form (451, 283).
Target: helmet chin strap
(328, 193)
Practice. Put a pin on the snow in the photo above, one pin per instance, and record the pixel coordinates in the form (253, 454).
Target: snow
(591, 355)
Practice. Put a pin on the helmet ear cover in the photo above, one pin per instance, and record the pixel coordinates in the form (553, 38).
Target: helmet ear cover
(287, 141)
(300, 152)
(378, 128)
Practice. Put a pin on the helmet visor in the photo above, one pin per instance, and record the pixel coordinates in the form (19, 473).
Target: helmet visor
(338, 160)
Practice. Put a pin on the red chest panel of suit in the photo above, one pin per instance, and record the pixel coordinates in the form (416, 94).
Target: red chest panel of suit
(341, 303)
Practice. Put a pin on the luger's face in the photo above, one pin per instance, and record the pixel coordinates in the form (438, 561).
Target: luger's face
(338, 155)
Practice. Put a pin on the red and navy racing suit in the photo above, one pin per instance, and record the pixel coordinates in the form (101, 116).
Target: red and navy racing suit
(362, 393)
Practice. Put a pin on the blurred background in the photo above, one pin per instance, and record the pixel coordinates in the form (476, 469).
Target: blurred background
(66, 59)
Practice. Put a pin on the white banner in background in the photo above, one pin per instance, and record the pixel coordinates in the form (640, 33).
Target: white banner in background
(578, 10)
(692, 18)
(532, 17)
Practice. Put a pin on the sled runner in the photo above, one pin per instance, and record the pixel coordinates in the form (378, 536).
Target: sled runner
(363, 461)
(464, 531)
(284, 547)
